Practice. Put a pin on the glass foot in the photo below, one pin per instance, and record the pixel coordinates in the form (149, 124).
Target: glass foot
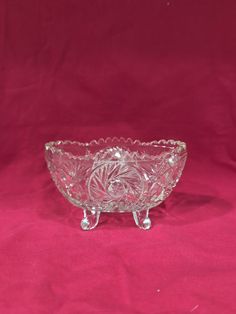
(90, 219)
(142, 220)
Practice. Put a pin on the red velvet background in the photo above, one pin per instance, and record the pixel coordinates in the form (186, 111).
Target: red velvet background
(142, 69)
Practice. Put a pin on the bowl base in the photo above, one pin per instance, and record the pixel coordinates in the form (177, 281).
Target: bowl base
(142, 219)
(91, 219)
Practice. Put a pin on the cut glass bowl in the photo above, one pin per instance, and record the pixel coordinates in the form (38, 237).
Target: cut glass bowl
(116, 175)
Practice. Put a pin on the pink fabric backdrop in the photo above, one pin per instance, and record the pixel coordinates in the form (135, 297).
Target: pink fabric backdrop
(142, 69)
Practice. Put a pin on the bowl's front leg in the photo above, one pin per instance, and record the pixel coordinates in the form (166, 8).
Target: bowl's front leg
(141, 219)
(90, 219)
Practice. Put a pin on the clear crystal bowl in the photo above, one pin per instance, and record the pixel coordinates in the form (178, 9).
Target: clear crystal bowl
(116, 175)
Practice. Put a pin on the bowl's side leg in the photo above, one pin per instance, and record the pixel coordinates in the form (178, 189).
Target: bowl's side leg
(141, 219)
(90, 219)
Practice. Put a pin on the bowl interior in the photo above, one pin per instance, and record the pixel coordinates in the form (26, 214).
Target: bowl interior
(140, 149)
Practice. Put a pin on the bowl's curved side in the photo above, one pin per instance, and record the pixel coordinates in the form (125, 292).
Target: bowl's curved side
(161, 177)
(176, 163)
(69, 175)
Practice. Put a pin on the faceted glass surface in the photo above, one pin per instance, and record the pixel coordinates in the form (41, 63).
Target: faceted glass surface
(115, 174)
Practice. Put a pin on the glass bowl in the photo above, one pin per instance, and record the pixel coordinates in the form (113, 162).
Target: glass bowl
(116, 175)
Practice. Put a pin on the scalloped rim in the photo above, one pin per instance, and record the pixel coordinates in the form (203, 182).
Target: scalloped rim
(178, 147)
